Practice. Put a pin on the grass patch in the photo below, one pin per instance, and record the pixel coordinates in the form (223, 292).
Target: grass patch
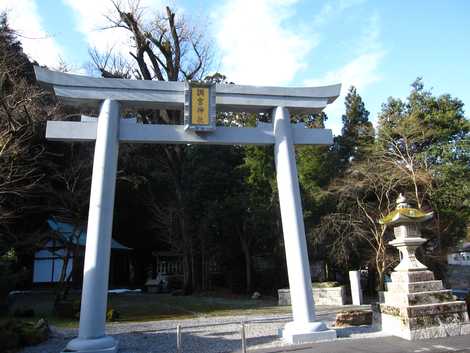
(151, 307)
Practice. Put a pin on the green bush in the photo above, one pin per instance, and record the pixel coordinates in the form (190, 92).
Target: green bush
(9, 336)
(112, 314)
(8, 276)
(15, 334)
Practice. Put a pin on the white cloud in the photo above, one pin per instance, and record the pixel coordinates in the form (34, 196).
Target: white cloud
(333, 8)
(255, 45)
(362, 71)
(24, 18)
(90, 19)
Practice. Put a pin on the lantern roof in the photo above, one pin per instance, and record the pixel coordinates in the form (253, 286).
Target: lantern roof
(404, 213)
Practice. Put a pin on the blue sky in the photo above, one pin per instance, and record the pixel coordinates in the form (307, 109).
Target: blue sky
(378, 46)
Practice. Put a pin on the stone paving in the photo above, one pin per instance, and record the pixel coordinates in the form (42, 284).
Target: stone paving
(456, 344)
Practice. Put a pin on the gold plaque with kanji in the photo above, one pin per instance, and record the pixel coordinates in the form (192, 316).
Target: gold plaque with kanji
(199, 105)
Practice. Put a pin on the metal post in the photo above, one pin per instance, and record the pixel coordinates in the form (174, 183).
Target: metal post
(242, 335)
(178, 339)
(91, 334)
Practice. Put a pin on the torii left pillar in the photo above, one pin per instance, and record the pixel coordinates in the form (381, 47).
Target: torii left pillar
(91, 334)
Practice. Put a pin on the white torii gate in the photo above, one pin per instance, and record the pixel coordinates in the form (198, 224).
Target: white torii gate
(109, 130)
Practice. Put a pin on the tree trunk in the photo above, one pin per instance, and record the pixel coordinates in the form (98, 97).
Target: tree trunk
(186, 275)
(380, 279)
(204, 266)
(185, 236)
(193, 270)
(247, 255)
(380, 267)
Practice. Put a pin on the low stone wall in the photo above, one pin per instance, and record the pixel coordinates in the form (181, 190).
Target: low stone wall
(321, 296)
(353, 318)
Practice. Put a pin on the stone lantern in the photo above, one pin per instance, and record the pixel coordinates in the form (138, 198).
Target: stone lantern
(415, 305)
(406, 222)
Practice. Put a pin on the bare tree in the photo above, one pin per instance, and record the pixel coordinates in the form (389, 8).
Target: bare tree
(166, 48)
(365, 195)
(400, 153)
(69, 187)
(24, 108)
(112, 65)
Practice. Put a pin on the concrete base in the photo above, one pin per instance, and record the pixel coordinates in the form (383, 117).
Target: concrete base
(105, 344)
(321, 296)
(305, 333)
(416, 306)
(394, 325)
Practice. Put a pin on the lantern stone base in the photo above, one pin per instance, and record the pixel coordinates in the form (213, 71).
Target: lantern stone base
(415, 306)
(295, 333)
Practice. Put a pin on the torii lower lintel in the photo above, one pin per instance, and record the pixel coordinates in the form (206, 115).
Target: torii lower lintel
(110, 130)
(176, 134)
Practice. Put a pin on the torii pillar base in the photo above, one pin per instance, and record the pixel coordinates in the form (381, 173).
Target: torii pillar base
(105, 344)
(295, 333)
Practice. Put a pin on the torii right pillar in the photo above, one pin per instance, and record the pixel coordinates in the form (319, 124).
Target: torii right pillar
(415, 305)
(304, 327)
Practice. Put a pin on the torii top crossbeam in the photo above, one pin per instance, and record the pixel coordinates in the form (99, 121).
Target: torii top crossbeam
(79, 90)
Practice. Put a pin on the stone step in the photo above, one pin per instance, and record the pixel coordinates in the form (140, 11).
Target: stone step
(424, 309)
(436, 309)
(431, 297)
(438, 320)
(414, 287)
(418, 298)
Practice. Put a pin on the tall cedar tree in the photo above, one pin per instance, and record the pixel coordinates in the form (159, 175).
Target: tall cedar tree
(357, 132)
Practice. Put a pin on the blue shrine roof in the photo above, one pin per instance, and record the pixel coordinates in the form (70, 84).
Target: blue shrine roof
(66, 230)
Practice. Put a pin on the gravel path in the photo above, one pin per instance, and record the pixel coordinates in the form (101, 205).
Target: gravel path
(204, 334)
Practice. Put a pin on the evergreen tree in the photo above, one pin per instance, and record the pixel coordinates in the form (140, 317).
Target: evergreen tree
(427, 138)
(357, 132)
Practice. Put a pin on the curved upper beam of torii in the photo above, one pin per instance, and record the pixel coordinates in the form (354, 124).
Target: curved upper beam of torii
(80, 90)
